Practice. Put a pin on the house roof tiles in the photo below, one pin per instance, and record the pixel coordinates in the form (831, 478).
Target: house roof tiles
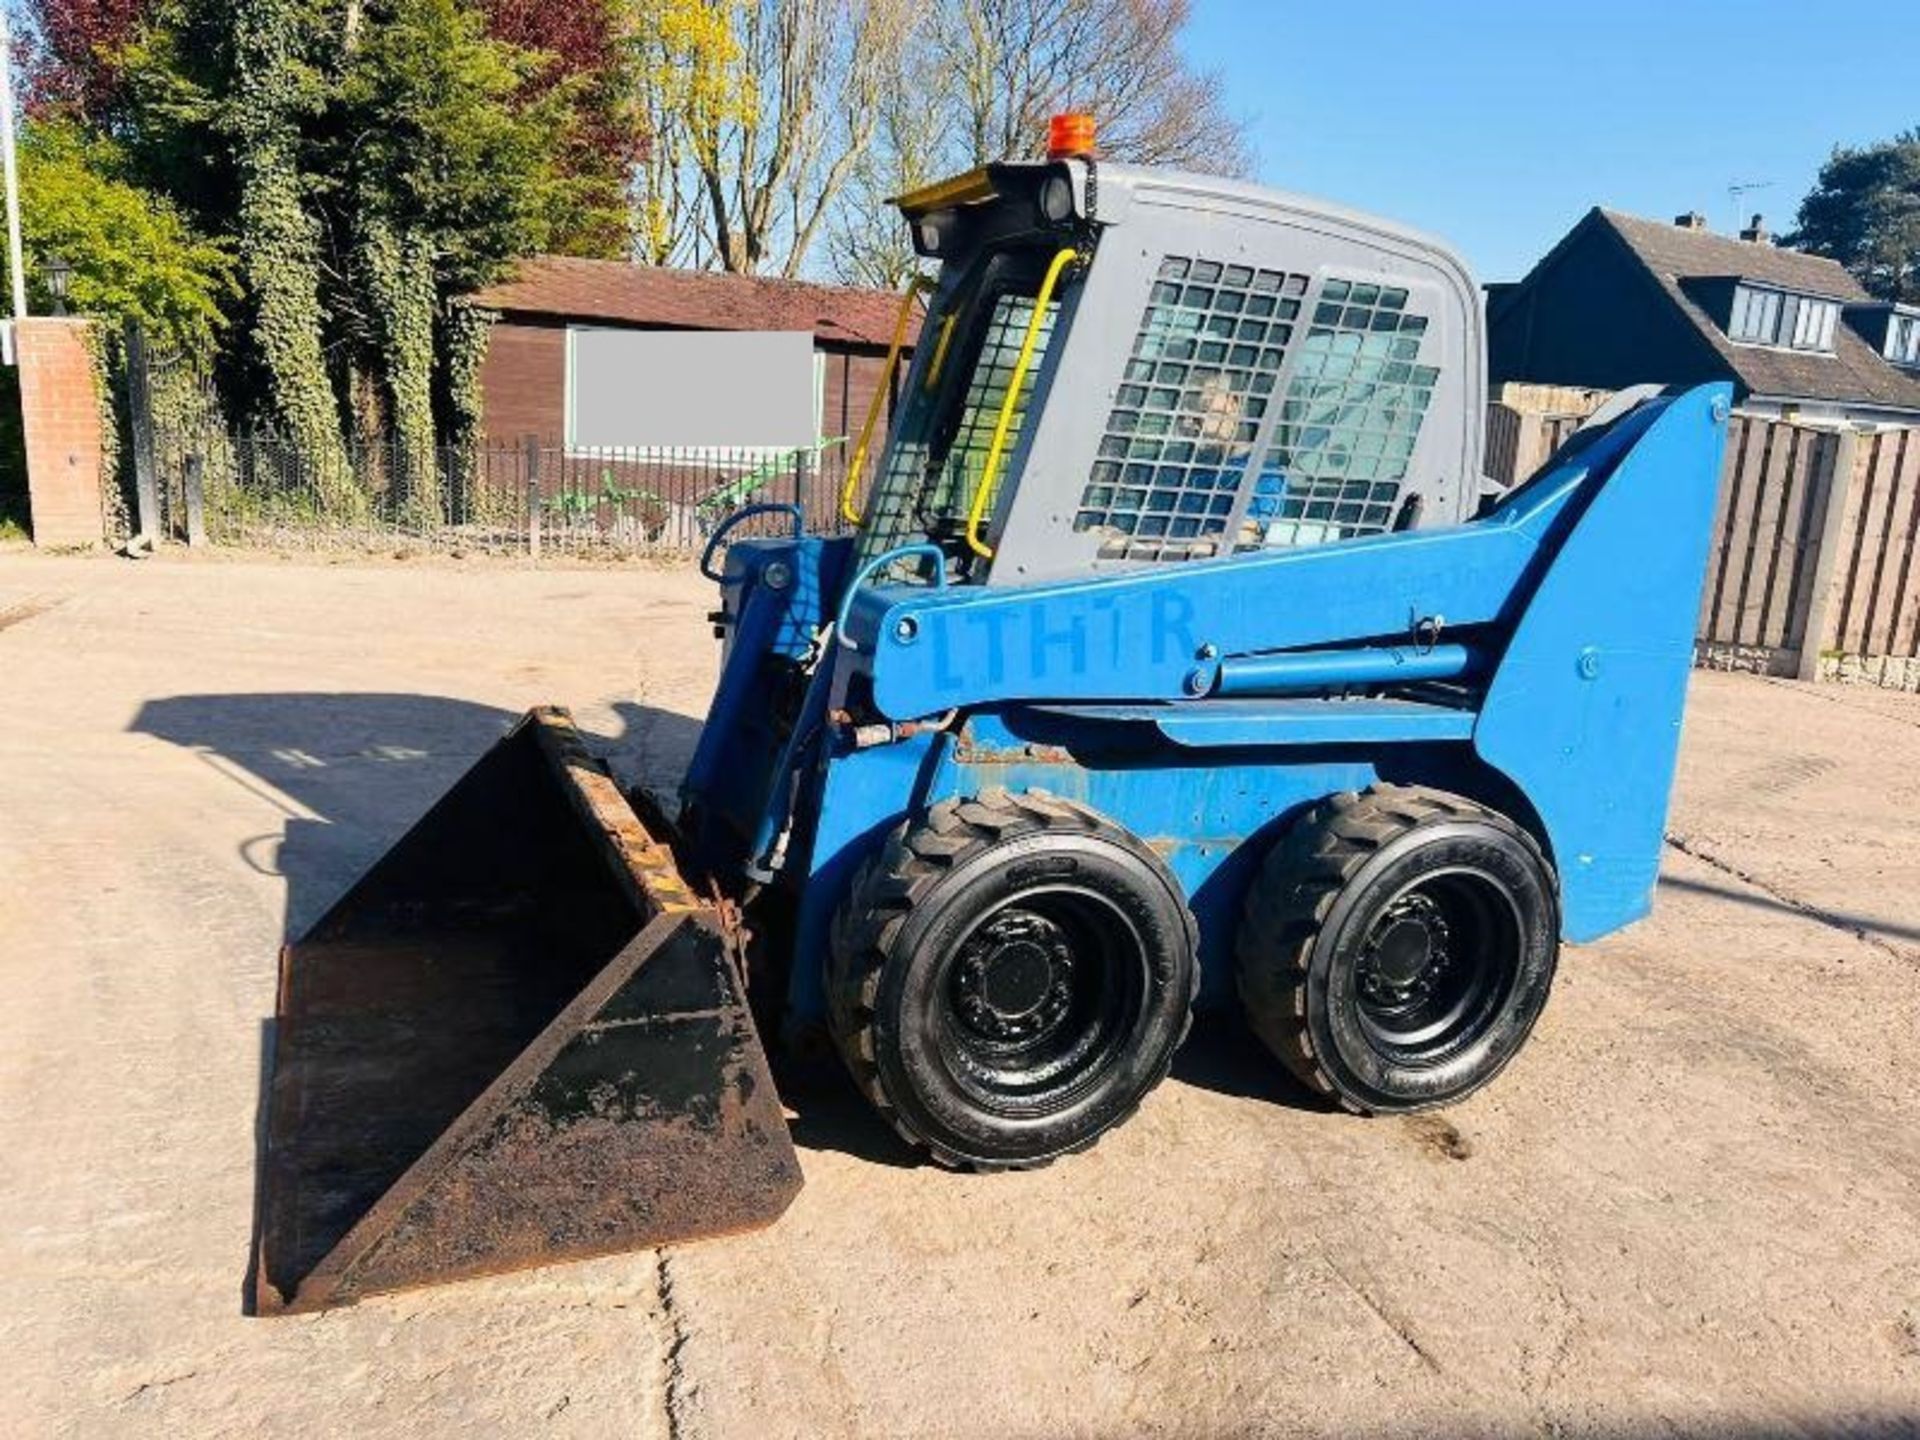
(1855, 373)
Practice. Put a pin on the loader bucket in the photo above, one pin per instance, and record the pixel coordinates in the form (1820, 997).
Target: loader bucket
(517, 1039)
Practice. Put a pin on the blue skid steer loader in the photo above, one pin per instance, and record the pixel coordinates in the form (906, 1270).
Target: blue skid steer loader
(1172, 651)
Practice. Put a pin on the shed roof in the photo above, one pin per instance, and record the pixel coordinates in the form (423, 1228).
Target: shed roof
(616, 292)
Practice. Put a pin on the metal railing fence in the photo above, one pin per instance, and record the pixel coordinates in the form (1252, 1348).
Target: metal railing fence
(527, 497)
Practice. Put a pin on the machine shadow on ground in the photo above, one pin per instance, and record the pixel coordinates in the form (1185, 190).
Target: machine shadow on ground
(1748, 895)
(352, 771)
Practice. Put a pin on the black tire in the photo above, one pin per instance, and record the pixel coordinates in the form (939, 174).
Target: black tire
(1398, 946)
(1010, 976)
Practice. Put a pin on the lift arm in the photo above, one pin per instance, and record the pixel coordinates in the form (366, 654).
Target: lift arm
(1161, 632)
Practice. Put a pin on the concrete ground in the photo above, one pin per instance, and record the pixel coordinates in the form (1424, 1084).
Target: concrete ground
(1692, 1206)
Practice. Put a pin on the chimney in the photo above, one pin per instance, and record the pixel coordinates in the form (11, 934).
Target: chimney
(1692, 220)
(1756, 233)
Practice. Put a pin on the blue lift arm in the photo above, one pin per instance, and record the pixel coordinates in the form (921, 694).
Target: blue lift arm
(1161, 633)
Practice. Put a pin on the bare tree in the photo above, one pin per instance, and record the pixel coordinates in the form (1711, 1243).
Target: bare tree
(769, 159)
(776, 129)
(984, 75)
(866, 244)
(687, 63)
(1019, 61)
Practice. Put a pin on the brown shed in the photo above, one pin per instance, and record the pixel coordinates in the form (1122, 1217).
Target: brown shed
(532, 379)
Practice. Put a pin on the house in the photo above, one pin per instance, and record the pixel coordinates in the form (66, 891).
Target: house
(600, 355)
(1622, 300)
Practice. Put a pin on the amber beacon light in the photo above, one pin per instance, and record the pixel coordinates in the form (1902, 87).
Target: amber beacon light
(1069, 134)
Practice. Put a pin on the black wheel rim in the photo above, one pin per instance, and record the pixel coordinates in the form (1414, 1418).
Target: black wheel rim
(1036, 1000)
(1437, 966)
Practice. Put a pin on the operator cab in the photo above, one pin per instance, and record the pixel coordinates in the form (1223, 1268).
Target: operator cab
(1122, 366)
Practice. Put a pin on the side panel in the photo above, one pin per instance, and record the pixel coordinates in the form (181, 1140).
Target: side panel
(851, 801)
(1584, 711)
(1151, 632)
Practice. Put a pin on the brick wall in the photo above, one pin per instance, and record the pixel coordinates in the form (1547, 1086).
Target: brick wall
(60, 415)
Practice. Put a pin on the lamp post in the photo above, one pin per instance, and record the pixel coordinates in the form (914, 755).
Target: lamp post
(10, 183)
(9, 173)
(59, 273)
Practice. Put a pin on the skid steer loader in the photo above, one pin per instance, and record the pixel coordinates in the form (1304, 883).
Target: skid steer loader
(1172, 653)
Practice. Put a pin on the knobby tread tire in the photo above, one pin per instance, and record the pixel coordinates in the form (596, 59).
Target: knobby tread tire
(1299, 883)
(915, 857)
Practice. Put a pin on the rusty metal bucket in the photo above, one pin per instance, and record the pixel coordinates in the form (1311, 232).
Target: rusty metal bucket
(517, 1039)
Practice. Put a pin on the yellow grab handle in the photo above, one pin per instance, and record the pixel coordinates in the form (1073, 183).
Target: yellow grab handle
(939, 354)
(858, 462)
(977, 511)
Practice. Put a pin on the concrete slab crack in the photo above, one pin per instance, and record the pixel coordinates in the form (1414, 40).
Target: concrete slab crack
(673, 1376)
(145, 1385)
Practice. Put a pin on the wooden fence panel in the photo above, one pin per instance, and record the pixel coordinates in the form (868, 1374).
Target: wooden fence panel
(1866, 532)
(1814, 562)
(1519, 442)
(1906, 629)
(1895, 582)
(1738, 431)
(1745, 482)
(1556, 429)
(1763, 554)
(1502, 451)
(1790, 593)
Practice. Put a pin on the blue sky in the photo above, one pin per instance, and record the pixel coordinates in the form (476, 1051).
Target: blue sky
(1496, 124)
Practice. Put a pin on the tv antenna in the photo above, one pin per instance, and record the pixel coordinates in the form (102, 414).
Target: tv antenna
(1737, 191)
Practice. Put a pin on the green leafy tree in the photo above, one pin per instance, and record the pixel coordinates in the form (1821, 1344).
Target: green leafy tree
(277, 88)
(373, 160)
(134, 255)
(452, 172)
(581, 49)
(437, 138)
(1864, 211)
(217, 103)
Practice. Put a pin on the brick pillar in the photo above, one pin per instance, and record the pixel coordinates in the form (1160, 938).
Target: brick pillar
(60, 413)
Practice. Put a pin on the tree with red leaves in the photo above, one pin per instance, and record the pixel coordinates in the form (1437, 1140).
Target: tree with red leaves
(588, 59)
(73, 46)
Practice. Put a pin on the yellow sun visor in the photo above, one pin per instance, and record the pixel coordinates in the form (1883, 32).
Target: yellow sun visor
(968, 189)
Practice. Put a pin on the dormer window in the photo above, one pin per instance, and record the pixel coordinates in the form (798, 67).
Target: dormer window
(1903, 339)
(1775, 317)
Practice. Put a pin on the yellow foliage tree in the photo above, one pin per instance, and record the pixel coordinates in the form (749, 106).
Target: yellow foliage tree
(757, 114)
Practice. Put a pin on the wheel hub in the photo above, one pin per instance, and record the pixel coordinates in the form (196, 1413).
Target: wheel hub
(1013, 978)
(1407, 954)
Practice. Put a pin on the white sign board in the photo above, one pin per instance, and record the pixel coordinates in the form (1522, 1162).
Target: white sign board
(690, 389)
